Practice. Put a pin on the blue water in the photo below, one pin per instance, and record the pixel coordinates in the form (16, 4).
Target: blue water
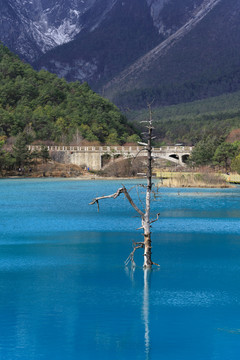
(65, 293)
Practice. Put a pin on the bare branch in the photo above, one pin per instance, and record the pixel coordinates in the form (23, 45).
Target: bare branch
(139, 199)
(150, 104)
(114, 196)
(131, 201)
(139, 153)
(155, 219)
(136, 245)
(141, 143)
(155, 264)
(133, 187)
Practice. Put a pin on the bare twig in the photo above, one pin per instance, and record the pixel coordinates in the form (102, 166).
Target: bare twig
(155, 264)
(136, 245)
(155, 219)
(131, 201)
(139, 197)
(139, 153)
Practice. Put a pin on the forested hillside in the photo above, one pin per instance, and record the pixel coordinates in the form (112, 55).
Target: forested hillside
(49, 108)
(191, 122)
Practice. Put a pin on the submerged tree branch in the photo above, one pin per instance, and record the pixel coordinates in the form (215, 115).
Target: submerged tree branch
(136, 245)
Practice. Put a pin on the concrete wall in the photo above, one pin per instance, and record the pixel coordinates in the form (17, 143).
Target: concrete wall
(91, 160)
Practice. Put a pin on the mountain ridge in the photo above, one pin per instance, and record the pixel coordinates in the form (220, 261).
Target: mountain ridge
(143, 63)
(204, 63)
(158, 20)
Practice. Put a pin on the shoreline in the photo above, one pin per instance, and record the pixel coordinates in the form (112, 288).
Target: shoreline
(76, 178)
(162, 177)
(160, 182)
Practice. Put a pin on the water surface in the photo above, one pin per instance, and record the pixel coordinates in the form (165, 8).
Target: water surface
(65, 293)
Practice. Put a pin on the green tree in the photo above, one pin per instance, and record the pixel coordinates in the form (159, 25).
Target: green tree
(44, 153)
(112, 138)
(20, 151)
(133, 138)
(235, 165)
(204, 151)
(6, 159)
(2, 155)
(224, 154)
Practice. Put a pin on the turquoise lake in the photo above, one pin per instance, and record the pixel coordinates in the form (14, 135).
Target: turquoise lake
(65, 293)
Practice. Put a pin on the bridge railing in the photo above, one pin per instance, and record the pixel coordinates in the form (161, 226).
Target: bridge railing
(113, 149)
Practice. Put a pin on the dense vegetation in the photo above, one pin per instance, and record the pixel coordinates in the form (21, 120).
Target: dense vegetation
(217, 152)
(191, 122)
(175, 93)
(20, 158)
(48, 108)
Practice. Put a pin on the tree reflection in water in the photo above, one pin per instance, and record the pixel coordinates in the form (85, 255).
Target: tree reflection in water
(145, 311)
(147, 273)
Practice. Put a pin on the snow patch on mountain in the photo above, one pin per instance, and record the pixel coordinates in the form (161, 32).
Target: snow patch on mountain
(156, 7)
(48, 36)
(45, 24)
(78, 70)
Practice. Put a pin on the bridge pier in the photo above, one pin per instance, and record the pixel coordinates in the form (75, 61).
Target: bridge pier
(90, 160)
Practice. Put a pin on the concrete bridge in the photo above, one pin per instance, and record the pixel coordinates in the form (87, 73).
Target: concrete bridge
(93, 157)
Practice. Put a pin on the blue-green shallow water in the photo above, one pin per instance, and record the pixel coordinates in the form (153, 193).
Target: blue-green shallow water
(65, 293)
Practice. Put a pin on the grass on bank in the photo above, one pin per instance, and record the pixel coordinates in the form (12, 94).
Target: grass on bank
(201, 180)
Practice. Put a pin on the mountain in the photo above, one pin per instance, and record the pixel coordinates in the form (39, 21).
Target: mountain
(200, 60)
(101, 37)
(32, 27)
(167, 51)
(131, 51)
(130, 29)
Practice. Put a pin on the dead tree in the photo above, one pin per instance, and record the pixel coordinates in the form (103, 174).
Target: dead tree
(145, 215)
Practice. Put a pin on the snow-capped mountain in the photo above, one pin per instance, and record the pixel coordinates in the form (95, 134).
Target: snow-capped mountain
(116, 33)
(174, 50)
(32, 27)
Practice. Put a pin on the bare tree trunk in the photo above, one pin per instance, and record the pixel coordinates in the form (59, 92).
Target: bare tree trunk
(145, 215)
(146, 219)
